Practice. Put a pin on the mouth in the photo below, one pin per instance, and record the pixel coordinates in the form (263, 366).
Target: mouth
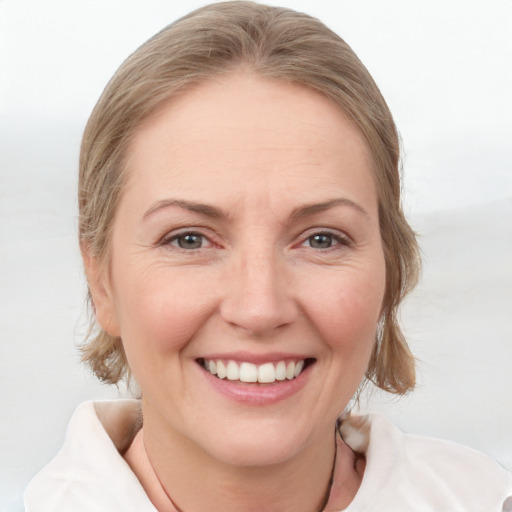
(266, 373)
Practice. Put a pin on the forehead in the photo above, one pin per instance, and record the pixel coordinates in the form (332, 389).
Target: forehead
(245, 133)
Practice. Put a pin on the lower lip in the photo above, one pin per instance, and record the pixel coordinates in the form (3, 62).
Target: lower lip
(257, 394)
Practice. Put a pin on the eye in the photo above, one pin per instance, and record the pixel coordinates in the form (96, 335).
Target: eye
(188, 241)
(324, 240)
(320, 241)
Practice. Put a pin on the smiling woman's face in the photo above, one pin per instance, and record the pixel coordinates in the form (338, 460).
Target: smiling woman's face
(246, 241)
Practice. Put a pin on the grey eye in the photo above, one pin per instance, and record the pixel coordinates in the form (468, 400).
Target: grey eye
(320, 241)
(189, 241)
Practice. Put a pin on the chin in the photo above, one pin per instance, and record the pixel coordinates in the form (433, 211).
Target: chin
(243, 454)
(257, 445)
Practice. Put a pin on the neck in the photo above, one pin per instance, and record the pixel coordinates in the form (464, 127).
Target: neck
(178, 476)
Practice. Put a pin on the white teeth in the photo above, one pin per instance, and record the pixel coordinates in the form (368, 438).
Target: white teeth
(281, 370)
(290, 371)
(248, 372)
(266, 373)
(298, 368)
(221, 370)
(232, 372)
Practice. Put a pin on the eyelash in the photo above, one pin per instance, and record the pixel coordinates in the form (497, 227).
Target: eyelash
(336, 240)
(169, 240)
(336, 237)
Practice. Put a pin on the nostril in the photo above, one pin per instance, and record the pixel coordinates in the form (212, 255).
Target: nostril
(256, 317)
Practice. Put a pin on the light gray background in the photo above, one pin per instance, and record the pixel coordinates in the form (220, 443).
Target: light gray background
(445, 67)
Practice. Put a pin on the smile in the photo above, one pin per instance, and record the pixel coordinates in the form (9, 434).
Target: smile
(266, 373)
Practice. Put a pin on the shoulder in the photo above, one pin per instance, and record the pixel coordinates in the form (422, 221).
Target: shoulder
(410, 472)
(89, 472)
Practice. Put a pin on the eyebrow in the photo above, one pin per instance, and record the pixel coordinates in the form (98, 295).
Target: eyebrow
(217, 213)
(203, 209)
(314, 208)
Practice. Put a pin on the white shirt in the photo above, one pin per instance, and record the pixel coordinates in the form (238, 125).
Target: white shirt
(403, 472)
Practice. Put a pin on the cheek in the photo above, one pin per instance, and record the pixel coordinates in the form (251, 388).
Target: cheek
(158, 314)
(348, 311)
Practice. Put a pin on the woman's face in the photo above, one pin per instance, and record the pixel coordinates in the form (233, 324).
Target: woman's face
(246, 242)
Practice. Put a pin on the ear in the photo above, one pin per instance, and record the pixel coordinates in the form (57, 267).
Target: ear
(101, 292)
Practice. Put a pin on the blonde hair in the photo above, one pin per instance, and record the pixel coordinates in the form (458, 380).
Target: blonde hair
(275, 43)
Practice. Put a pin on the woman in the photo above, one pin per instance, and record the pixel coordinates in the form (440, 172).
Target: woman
(246, 253)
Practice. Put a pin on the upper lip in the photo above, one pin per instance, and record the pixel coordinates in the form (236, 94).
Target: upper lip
(241, 356)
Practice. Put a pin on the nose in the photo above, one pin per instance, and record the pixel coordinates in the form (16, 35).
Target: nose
(259, 294)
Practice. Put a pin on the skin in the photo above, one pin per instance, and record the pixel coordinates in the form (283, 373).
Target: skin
(258, 154)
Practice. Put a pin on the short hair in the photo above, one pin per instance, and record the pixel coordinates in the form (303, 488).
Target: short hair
(274, 43)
